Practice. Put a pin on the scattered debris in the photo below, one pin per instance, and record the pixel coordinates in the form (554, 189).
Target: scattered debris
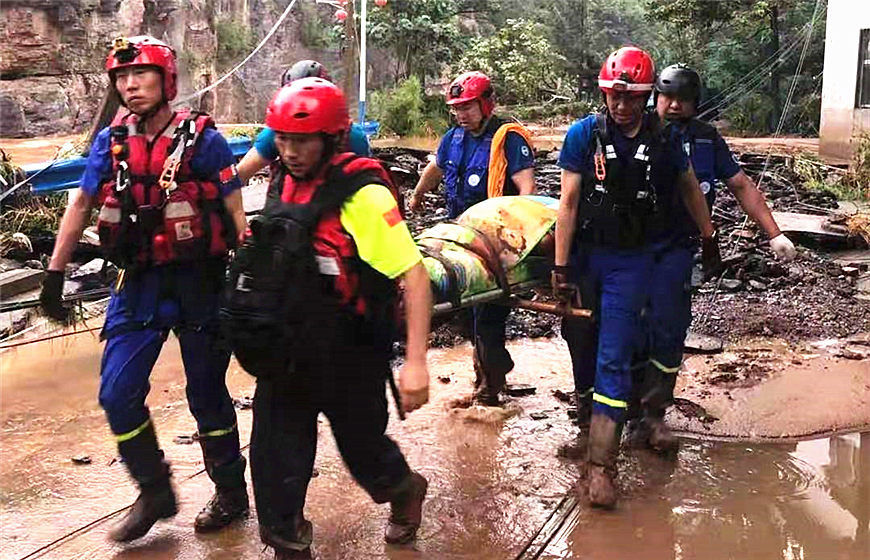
(539, 416)
(519, 390)
(82, 459)
(444, 379)
(696, 343)
(564, 396)
(478, 414)
(690, 409)
(184, 439)
(854, 352)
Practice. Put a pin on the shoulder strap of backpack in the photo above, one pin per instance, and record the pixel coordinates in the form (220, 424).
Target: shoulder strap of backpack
(339, 185)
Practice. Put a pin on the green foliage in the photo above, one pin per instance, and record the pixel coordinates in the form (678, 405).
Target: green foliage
(423, 34)
(234, 39)
(315, 30)
(851, 184)
(405, 110)
(554, 111)
(521, 62)
(250, 132)
(858, 177)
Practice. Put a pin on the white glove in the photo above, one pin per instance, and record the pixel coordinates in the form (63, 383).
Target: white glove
(783, 248)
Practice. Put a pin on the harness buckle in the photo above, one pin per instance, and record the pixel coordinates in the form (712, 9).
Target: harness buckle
(600, 168)
(122, 179)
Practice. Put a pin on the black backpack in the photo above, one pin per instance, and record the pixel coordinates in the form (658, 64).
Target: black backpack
(274, 295)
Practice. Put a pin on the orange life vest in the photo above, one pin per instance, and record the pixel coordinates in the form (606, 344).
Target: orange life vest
(154, 211)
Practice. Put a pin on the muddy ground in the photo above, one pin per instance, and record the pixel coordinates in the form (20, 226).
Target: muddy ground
(497, 485)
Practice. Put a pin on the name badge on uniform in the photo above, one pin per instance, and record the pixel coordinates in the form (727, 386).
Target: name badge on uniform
(327, 265)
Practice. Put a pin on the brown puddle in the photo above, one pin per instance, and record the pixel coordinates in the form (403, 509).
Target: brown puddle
(494, 477)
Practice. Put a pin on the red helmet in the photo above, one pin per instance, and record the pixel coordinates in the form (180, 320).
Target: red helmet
(308, 106)
(470, 86)
(144, 50)
(628, 69)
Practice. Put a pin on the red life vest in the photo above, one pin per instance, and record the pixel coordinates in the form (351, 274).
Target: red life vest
(146, 219)
(355, 283)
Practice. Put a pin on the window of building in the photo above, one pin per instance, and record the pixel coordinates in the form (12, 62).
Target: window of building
(862, 97)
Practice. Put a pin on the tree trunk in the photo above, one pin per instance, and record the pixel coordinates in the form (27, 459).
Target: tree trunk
(350, 57)
(776, 104)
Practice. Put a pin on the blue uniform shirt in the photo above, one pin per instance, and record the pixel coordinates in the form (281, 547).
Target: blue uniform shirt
(518, 152)
(578, 150)
(174, 295)
(713, 163)
(711, 158)
(212, 154)
(357, 142)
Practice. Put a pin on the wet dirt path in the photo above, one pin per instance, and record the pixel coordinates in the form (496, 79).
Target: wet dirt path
(495, 481)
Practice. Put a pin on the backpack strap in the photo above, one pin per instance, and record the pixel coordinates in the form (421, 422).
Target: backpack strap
(186, 134)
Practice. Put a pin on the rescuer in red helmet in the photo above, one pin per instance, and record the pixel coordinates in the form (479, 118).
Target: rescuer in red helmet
(349, 244)
(621, 169)
(481, 157)
(167, 190)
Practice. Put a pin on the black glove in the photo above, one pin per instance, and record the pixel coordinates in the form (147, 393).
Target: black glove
(711, 259)
(564, 290)
(51, 296)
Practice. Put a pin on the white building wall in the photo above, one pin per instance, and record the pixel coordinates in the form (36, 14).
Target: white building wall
(840, 120)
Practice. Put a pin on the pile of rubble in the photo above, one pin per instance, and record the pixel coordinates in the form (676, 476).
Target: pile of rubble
(824, 293)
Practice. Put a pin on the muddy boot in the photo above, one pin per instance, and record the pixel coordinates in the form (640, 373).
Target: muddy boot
(230, 501)
(659, 436)
(575, 449)
(604, 435)
(294, 544)
(406, 509)
(153, 504)
(156, 500)
(658, 395)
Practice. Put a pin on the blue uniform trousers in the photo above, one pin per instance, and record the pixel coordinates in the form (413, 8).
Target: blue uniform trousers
(182, 298)
(615, 285)
(669, 311)
(128, 360)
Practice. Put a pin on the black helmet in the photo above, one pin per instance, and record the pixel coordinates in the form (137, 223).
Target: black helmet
(680, 81)
(304, 69)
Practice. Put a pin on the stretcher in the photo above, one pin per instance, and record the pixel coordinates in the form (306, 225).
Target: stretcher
(492, 253)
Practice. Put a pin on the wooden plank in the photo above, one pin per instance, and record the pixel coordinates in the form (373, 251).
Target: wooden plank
(792, 222)
(856, 257)
(14, 282)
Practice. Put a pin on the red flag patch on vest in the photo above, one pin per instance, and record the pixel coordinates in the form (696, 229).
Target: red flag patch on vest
(227, 173)
(393, 217)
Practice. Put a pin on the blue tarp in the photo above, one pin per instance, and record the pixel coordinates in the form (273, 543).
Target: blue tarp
(65, 173)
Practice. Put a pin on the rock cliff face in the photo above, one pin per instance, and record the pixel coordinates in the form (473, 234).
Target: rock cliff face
(52, 54)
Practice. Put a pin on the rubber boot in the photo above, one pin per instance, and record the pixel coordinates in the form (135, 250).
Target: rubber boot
(230, 500)
(604, 435)
(575, 448)
(406, 509)
(156, 500)
(294, 544)
(658, 394)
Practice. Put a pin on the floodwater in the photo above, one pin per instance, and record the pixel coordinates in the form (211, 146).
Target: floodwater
(497, 489)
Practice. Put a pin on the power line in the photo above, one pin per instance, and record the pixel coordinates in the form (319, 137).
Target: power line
(244, 61)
